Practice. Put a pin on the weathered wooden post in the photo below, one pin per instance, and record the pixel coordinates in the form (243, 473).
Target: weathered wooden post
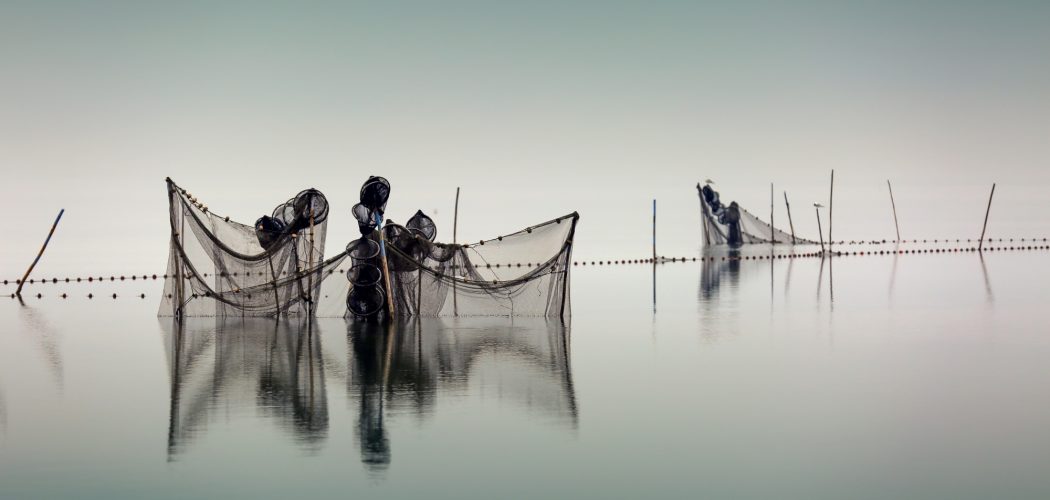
(22, 283)
(986, 212)
(790, 223)
(894, 205)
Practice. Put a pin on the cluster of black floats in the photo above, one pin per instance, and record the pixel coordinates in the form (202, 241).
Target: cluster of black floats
(369, 260)
(309, 207)
(729, 215)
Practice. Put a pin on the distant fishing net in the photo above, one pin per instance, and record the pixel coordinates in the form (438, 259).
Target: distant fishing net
(522, 274)
(218, 267)
(733, 225)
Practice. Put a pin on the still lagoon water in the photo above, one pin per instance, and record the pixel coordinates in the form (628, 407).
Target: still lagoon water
(903, 376)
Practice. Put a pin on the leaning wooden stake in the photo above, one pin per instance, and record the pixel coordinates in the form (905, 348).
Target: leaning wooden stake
(790, 223)
(831, 210)
(386, 268)
(654, 231)
(983, 228)
(455, 226)
(894, 205)
(18, 292)
(820, 231)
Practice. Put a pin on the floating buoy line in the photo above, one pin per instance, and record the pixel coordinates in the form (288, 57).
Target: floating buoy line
(1033, 244)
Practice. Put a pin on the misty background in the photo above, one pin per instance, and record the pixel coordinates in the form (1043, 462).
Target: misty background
(535, 109)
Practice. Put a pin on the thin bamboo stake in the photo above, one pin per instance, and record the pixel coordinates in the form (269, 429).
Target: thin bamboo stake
(310, 263)
(894, 205)
(703, 213)
(18, 292)
(831, 209)
(772, 233)
(790, 223)
(386, 268)
(455, 226)
(986, 212)
(820, 231)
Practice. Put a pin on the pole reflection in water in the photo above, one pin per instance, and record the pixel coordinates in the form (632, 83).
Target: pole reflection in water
(987, 283)
(403, 368)
(217, 365)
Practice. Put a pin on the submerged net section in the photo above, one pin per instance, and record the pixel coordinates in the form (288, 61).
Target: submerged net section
(733, 225)
(218, 267)
(521, 274)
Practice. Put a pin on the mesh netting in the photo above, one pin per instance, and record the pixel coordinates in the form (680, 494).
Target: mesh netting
(218, 267)
(521, 274)
(733, 225)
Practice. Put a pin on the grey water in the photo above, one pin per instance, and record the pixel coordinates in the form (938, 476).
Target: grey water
(891, 376)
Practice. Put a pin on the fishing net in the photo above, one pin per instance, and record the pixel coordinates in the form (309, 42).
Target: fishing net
(733, 225)
(522, 274)
(219, 267)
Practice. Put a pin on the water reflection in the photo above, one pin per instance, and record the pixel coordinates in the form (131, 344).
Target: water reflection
(241, 368)
(46, 338)
(715, 275)
(404, 368)
(219, 366)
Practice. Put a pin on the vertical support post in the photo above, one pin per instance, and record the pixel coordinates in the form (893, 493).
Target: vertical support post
(894, 205)
(790, 223)
(772, 233)
(386, 268)
(820, 232)
(831, 212)
(310, 264)
(22, 283)
(703, 215)
(654, 231)
(986, 212)
(455, 226)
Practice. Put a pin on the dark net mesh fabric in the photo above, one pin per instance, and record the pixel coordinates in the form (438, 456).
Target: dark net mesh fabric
(521, 274)
(730, 224)
(218, 267)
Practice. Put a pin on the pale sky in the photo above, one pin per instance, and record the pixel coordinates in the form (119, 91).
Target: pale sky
(535, 109)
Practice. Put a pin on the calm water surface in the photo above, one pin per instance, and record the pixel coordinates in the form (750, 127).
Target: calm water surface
(915, 376)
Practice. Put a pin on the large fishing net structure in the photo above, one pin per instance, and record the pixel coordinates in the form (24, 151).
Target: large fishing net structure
(276, 267)
(402, 271)
(734, 226)
(219, 267)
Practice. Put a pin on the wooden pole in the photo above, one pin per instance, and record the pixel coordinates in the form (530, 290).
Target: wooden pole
(310, 263)
(181, 270)
(894, 205)
(986, 212)
(22, 283)
(386, 268)
(790, 223)
(455, 226)
(703, 213)
(772, 233)
(831, 209)
(654, 231)
(820, 232)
